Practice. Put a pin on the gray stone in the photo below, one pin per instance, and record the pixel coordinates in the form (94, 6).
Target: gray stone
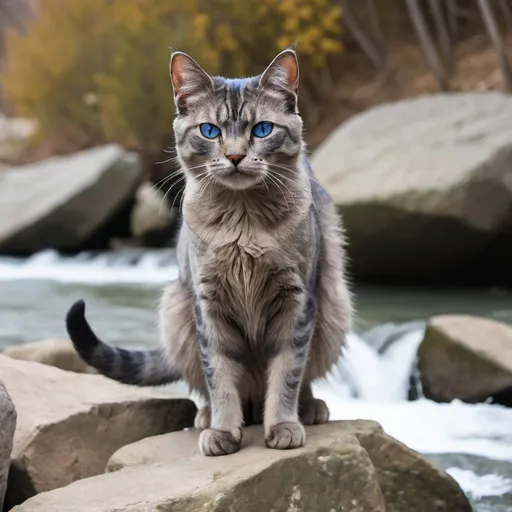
(58, 353)
(465, 357)
(7, 428)
(62, 202)
(69, 424)
(344, 466)
(425, 186)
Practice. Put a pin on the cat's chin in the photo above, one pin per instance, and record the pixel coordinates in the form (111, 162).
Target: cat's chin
(239, 180)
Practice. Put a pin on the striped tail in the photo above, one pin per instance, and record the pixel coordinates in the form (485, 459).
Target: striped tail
(137, 367)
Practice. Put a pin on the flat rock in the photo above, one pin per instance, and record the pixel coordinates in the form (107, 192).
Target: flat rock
(422, 177)
(58, 353)
(345, 466)
(466, 357)
(69, 424)
(62, 202)
(7, 428)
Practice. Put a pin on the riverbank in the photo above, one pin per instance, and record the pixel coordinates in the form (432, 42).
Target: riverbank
(122, 290)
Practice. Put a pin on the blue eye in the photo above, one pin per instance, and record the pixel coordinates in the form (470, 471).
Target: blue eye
(262, 129)
(210, 131)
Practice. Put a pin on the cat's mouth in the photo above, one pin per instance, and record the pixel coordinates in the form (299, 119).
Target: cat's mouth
(238, 179)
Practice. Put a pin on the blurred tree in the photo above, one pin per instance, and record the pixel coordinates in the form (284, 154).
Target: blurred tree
(372, 48)
(493, 30)
(431, 53)
(97, 71)
(14, 14)
(442, 30)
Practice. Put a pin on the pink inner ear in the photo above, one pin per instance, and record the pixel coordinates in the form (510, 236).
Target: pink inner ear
(289, 62)
(177, 72)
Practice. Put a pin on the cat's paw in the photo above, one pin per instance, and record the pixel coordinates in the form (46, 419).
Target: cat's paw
(285, 436)
(314, 412)
(203, 418)
(214, 443)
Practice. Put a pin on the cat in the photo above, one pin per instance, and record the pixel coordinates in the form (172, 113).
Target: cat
(262, 304)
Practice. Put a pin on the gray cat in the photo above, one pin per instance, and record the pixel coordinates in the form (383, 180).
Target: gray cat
(261, 306)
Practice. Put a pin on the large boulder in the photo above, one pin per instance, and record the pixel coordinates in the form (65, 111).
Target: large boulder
(7, 428)
(466, 357)
(58, 353)
(345, 466)
(65, 202)
(425, 187)
(69, 424)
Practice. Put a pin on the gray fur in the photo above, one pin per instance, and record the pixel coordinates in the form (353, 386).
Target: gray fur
(262, 304)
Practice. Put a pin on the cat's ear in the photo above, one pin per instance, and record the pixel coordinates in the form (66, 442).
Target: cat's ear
(283, 72)
(188, 79)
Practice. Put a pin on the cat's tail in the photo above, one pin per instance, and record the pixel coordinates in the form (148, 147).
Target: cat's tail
(137, 367)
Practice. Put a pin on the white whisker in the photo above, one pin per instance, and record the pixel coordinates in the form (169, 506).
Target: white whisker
(273, 180)
(167, 192)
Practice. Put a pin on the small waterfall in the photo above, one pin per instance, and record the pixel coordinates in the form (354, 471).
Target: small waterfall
(365, 374)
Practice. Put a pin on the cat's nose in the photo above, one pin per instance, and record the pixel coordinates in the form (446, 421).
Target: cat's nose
(235, 159)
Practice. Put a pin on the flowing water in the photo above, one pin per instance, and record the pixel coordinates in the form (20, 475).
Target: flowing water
(472, 442)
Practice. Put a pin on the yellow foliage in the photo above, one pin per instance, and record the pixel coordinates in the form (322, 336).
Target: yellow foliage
(101, 67)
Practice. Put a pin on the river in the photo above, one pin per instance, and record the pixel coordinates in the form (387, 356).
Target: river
(472, 442)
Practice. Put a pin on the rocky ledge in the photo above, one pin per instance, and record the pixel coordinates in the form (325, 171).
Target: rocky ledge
(85, 443)
(69, 424)
(345, 466)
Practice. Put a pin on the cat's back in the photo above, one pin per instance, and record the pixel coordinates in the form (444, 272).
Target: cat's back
(320, 195)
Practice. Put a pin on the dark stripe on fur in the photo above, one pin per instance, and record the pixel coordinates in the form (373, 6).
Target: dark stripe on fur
(273, 143)
(200, 145)
(137, 367)
(203, 344)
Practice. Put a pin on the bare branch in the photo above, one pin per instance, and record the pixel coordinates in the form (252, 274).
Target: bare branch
(326, 80)
(443, 36)
(453, 22)
(375, 25)
(493, 30)
(366, 44)
(507, 13)
(427, 44)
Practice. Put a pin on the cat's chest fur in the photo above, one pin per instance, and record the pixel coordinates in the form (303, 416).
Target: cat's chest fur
(243, 260)
(244, 280)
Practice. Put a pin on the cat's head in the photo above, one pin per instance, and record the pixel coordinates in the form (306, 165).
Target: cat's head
(238, 133)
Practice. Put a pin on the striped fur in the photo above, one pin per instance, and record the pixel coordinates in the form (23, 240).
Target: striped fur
(136, 367)
(262, 305)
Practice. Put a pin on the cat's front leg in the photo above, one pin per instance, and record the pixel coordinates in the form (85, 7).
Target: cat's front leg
(222, 374)
(283, 429)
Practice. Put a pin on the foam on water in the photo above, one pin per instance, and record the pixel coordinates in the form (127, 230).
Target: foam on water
(381, 385)
(481, 486)
(132, 267)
